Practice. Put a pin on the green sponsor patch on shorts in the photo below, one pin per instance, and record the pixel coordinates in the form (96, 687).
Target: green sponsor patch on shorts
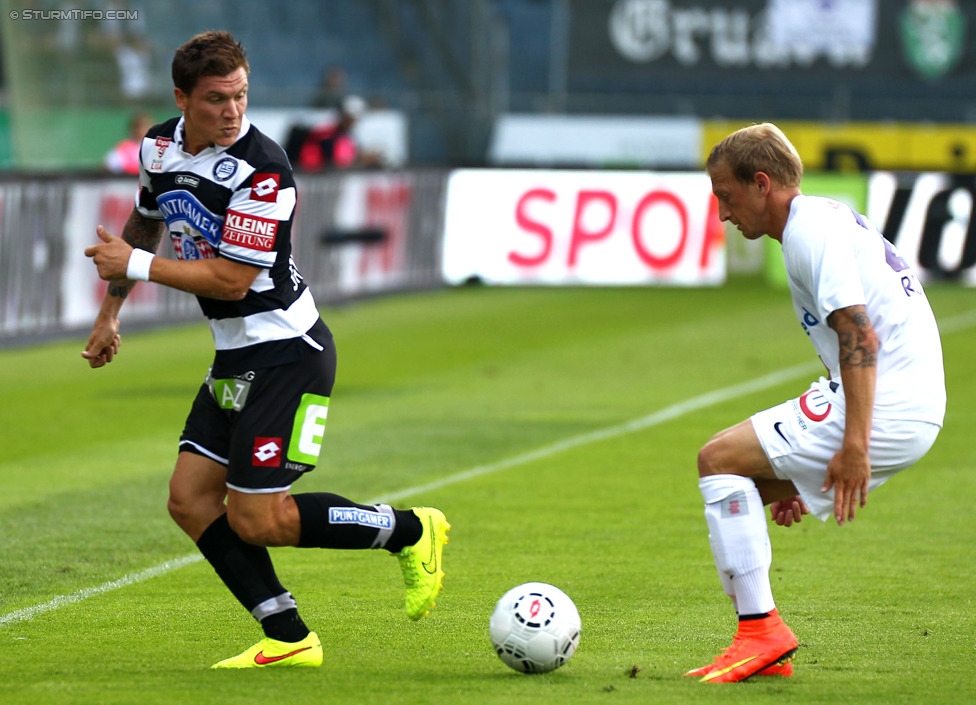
(230, 394)
(309, 428)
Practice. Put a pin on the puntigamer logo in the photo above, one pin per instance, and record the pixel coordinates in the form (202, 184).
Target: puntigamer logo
(181, 207)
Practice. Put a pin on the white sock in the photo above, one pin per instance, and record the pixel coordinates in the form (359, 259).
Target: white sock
(739, 539)
(729, 588)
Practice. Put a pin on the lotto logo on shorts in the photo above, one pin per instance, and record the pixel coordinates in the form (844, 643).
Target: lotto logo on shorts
(267, 453)
(815, 405)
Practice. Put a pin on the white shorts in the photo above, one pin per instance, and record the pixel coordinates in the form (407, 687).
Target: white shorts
(800, 437)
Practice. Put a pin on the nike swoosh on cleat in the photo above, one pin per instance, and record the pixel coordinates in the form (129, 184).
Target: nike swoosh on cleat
(723, 671)
(262, 660)
(432, 561)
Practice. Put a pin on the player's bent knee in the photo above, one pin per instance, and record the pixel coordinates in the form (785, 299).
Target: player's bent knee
(708, 460)
(180, 511)
(193, 517)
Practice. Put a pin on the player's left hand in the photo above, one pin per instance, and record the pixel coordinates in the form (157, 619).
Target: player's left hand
(786, 512)
(111, 255)
(848, 473)
(103, 343)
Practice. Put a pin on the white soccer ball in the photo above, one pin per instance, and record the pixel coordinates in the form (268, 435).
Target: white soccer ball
(535, 628)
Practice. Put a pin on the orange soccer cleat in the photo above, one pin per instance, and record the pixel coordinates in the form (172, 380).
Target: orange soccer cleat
(760, 647)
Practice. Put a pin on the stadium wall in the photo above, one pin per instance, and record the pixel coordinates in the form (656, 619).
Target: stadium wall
(355, 234)
(369, 233)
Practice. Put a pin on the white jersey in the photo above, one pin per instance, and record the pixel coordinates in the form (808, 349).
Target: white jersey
(836, 258)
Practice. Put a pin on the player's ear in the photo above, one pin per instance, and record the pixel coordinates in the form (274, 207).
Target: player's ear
(182, 99)
(762, 182)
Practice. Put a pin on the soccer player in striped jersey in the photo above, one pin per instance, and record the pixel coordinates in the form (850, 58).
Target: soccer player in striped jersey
(225, 195)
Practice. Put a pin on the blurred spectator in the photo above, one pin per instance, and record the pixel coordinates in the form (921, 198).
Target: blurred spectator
(332, 91)
(131, 46)
(124, 157)
(331, 144)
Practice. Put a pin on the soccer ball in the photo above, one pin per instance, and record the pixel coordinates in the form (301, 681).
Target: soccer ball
(535, 628)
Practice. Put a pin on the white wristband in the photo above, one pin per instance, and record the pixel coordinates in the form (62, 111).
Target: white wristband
(139, 263)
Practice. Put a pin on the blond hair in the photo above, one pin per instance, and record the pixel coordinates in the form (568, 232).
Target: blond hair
(756, 148)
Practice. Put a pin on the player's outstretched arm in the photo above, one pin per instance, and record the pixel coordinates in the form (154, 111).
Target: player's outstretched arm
(109, 255)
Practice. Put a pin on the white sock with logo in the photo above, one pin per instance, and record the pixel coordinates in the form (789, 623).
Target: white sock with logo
(740, 540)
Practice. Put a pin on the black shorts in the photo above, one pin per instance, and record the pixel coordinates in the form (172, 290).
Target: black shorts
(265, 426)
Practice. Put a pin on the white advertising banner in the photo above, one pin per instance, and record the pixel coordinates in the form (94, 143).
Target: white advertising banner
(931, 218)
(107, 203)
(382, 202)
(596, 141)
(582, 227)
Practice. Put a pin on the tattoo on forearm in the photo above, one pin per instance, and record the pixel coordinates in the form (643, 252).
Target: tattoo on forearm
(116, 289)
(142, 232)
(856, 342)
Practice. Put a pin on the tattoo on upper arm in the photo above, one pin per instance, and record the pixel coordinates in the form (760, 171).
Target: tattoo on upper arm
(855, 334)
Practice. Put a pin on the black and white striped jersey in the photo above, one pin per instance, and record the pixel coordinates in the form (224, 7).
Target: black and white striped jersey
(236, 202)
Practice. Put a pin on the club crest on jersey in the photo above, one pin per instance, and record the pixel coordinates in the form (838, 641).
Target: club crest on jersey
(225, 168)
(250, 231)
(267, 452)
(815, 405)
(265, 187)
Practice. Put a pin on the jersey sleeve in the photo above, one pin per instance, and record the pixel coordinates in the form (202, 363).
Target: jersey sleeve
(827, 260)
(145, 198)
(257, 226)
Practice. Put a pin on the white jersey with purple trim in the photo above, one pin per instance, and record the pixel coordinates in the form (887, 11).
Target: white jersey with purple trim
(235, 202)
(836, 258)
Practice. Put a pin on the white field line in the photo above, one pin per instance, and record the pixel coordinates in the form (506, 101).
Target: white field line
(950, 325)
(29, 613)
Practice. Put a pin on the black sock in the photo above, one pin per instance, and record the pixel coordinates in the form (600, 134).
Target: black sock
(331, 521)
(285, 626)
(248, 573)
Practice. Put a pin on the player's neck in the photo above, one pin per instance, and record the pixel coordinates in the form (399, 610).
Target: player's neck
(780, 211)
(194, 145)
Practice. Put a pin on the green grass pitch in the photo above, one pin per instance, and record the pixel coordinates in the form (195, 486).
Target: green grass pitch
(558, 430)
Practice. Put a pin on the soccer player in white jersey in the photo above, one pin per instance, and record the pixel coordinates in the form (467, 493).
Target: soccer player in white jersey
(877, 410)
(225, 195)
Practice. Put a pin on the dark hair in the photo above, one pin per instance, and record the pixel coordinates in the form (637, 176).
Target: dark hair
(757, 148)
(211, 53)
